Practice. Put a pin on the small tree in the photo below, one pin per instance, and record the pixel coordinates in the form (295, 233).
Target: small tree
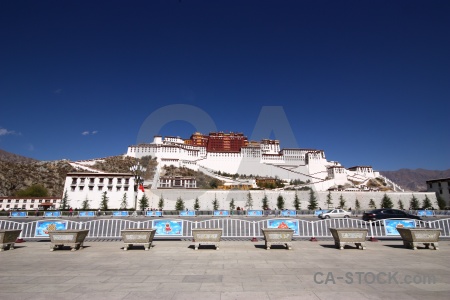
(179, 205)
(161, 202)
(249, 203)
(280, 202)
(426, 203)
(400, 204)
(372, 204)
(297, 203)
(124, 203)
(414, 203)
(104, 202)
(232, 206)
(357, 204)
(215, 203)
(386, 202)
(65, 201)
(265, 202)
(36, 190)
(329, 202)
(312, 200)
(143, 202)
(342, 202)
(85, 204)
(440, 202)
(196, 204)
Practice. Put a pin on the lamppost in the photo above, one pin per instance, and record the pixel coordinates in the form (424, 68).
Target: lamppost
(137, 171)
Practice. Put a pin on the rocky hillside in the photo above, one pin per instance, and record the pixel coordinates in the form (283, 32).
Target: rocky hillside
(15, 176)
(11, 157)
(414, 180)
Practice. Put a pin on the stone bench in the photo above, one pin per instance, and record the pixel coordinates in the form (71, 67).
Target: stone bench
(8, 238)
(209, 236)
(278, 236)
(345, 236)
(73, 238)
(142, 237)
(413, 236)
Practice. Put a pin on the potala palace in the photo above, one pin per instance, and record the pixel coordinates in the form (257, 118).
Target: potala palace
(220, 153)
(232, 153)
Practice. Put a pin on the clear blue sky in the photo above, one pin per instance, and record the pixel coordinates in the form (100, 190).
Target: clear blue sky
(366, 81)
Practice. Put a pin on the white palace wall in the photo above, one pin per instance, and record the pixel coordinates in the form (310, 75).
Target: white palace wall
(206, 198)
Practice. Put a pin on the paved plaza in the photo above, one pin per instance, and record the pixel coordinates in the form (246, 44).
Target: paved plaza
(238, 270)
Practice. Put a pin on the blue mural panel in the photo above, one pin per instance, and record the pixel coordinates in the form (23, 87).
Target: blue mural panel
(55, 214)
(254, 213)
(86, 214)
(168, 227)
(43, 227)
(390, 225)
(284, 224)
(16, 214)
(153, 213)
(123, 213)
(187, 213)
(425, 213)
(221, 213)
(288, 213)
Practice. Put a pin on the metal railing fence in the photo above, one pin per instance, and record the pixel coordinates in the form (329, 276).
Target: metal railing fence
(232, 228)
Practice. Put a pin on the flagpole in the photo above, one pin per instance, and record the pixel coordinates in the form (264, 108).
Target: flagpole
(137, 171)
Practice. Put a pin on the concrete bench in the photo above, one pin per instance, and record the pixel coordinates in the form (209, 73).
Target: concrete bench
(345, 236)
(8, 238)
(413, 236)
(73, 238)
(210, 236)
(278, 236)
(142, 237)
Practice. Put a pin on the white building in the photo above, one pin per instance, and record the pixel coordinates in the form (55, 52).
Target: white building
(264, 159)
(177, 182)
(29, 203)
(441, 187)
(91, 187)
